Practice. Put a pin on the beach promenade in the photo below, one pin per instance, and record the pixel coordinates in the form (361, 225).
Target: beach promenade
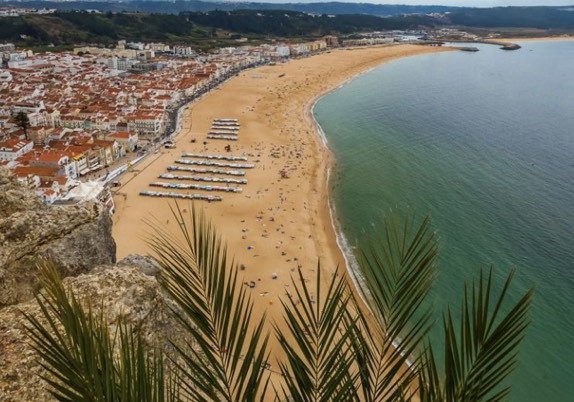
(281, 219)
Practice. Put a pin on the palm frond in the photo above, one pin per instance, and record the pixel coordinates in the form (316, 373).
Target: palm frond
(430, 389)
(318, 345)
(223, 359)
(78, 350)
(397, 272)
(482, 356)
(142, 375)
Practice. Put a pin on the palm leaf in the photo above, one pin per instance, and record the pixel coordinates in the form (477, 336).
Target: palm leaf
(318, 344)
(479, 359)
(142, 374)
(430, 389)
(78, 351)
(222, 360)
(397, 271)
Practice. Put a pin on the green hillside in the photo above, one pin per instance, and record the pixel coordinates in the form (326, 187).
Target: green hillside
(202, 29)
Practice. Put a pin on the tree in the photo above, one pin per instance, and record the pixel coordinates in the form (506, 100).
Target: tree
(23, 122)
(336, 349)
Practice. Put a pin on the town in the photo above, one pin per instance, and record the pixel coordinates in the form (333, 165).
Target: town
(72, 117)
(69, 117)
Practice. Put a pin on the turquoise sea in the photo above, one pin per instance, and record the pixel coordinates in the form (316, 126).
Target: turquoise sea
(484, 143)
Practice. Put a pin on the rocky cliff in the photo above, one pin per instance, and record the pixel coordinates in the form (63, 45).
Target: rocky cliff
(124, 292)
(76, 238)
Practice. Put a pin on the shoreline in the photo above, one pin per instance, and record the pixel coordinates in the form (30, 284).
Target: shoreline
(350, 263)
(275, 224)
(318, 139)
(539, 39)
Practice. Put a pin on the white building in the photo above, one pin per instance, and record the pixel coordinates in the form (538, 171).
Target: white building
(7, 47)
(145, 123)
(116, 63)
(126, 139)
(5, 76)
(14, 148)
(28, 107)
(283, 51)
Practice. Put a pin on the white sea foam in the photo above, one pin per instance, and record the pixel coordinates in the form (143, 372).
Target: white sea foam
(320, 131)
(347, 250)
(351, 263)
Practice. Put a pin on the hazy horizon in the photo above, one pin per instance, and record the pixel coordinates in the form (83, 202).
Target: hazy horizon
(459, 3)
(453, 3)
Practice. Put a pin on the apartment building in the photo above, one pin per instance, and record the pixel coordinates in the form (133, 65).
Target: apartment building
(13, 148)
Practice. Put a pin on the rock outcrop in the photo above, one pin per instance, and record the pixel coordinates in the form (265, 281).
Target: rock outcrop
(124, 292)
(78, 240)
(75, 238)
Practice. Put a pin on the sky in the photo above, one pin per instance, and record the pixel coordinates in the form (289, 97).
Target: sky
(464, 3)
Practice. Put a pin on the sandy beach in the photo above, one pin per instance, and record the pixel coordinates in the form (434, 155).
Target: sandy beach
(539, 39)
(277, 222)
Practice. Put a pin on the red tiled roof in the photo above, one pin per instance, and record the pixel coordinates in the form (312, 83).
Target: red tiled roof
(121, 134)
(24, 171)
(14, 144)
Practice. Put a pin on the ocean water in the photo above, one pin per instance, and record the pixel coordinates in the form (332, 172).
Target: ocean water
(484, 143)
